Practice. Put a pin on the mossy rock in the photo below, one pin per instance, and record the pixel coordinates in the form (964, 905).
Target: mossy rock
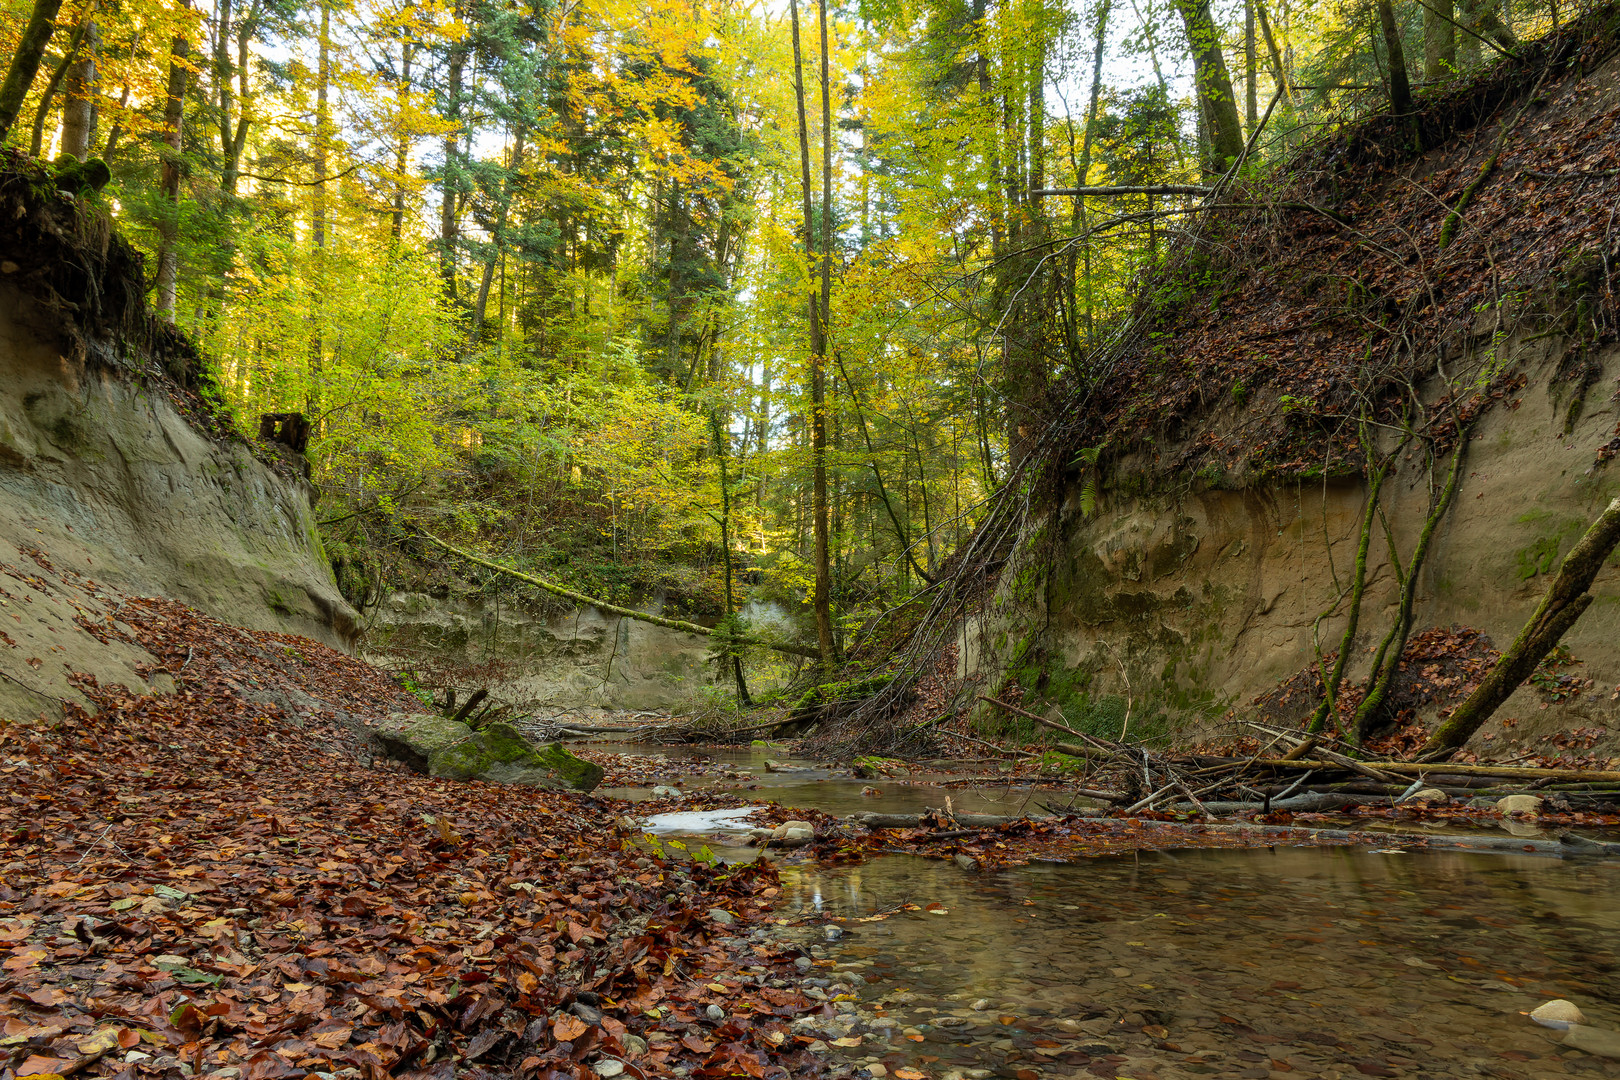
(500, 753)
(415, 738)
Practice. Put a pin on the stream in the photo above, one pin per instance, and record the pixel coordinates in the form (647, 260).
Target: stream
(1279, 963)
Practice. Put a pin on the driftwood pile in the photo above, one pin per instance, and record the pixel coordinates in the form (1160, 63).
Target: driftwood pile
(1294, 772)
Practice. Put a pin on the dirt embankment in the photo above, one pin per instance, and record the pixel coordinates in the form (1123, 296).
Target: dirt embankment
(1382, 303)
(114, 464)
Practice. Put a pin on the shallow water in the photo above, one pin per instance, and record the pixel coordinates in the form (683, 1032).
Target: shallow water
(1277, 963)
(836, 793)
(1273, 963)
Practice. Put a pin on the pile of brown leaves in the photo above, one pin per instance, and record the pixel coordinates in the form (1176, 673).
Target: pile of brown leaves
(195, 883)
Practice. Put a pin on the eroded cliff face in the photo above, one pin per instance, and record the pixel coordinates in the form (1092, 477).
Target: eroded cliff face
(537, 658)
(1178, 605)
(106, 489)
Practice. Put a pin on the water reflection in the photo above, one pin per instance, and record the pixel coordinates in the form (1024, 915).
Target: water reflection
(1285, 963)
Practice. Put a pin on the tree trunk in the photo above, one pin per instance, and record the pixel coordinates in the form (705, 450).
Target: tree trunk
(25, 61)
(1439, 39)
(236, 143)
(450, 184)
(818, 379)
(498, 234)
(1214, 83)
(48, 97)
(168, 268)
(818, 387)
(1251, 93)
(1400, 89)
(402, 149)
(79, 105)
(733, 656)
(1564, 601)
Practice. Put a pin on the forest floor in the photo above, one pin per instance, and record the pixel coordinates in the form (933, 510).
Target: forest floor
(197, 883)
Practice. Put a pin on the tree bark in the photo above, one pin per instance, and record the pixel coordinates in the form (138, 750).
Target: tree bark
(25, 61)
(48, 97)
(1566, 598)
(1214, 86)
(450, 183)
(79, 106)
(402, 149)
(1439, 39)
(1400, 88)
(168, 268)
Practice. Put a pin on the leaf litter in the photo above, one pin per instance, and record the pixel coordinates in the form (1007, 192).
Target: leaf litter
(198, 883)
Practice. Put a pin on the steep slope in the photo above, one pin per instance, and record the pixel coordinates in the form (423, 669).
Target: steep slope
(1208, 491)
(114, 476)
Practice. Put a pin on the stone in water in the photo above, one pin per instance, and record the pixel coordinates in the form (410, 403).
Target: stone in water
(1558, 1014)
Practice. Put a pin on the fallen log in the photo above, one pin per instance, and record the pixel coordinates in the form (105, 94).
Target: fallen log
(614, 609)
(1423, 769)
(1564, 601)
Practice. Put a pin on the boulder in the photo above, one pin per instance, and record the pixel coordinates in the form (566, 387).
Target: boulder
(1519, 804)
(413, 738)
(788, 829)
(500, 752)
(441, 747)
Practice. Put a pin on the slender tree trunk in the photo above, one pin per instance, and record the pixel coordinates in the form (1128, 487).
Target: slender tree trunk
(1564, 601)
(48, 97)
(735, 656)
(818, 371)
(168, 262)
(499, 234)
(450, 186)
(323, 134)
(402, 149)
(25, 61)
(1278, 68)
(236, 144)
(1214, 86)
(1251, 92)
(1439, 39)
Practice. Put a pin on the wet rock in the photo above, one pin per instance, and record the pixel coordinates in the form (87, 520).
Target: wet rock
(788, 829)
(981, 1005)
(803, 963)
(1519, 804)
(1558, 1014)
(1599, 1041)
(967, 862)
(664, 791)
(877, 1068)
(1431, 795)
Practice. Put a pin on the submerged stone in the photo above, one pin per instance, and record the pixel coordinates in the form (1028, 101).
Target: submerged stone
(1558, 1014)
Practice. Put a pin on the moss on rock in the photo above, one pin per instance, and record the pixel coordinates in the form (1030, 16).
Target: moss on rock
(500, 752)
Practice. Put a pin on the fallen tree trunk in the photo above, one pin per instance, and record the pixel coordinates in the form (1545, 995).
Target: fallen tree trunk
(1566, 598)
(1425, 770)
(614, 609)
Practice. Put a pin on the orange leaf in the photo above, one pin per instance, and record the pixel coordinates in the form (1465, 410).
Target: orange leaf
(568, 1028)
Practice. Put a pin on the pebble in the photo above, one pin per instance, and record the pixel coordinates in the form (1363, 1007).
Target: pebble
(981, 1005)
(1599, 1041)
(634, 1045)
(664, 792)
(608, 1067)
(1519, 804)
(722, 916)
(715, 1013)
(877, 1068)
(803, 963)
(1558, 1014)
